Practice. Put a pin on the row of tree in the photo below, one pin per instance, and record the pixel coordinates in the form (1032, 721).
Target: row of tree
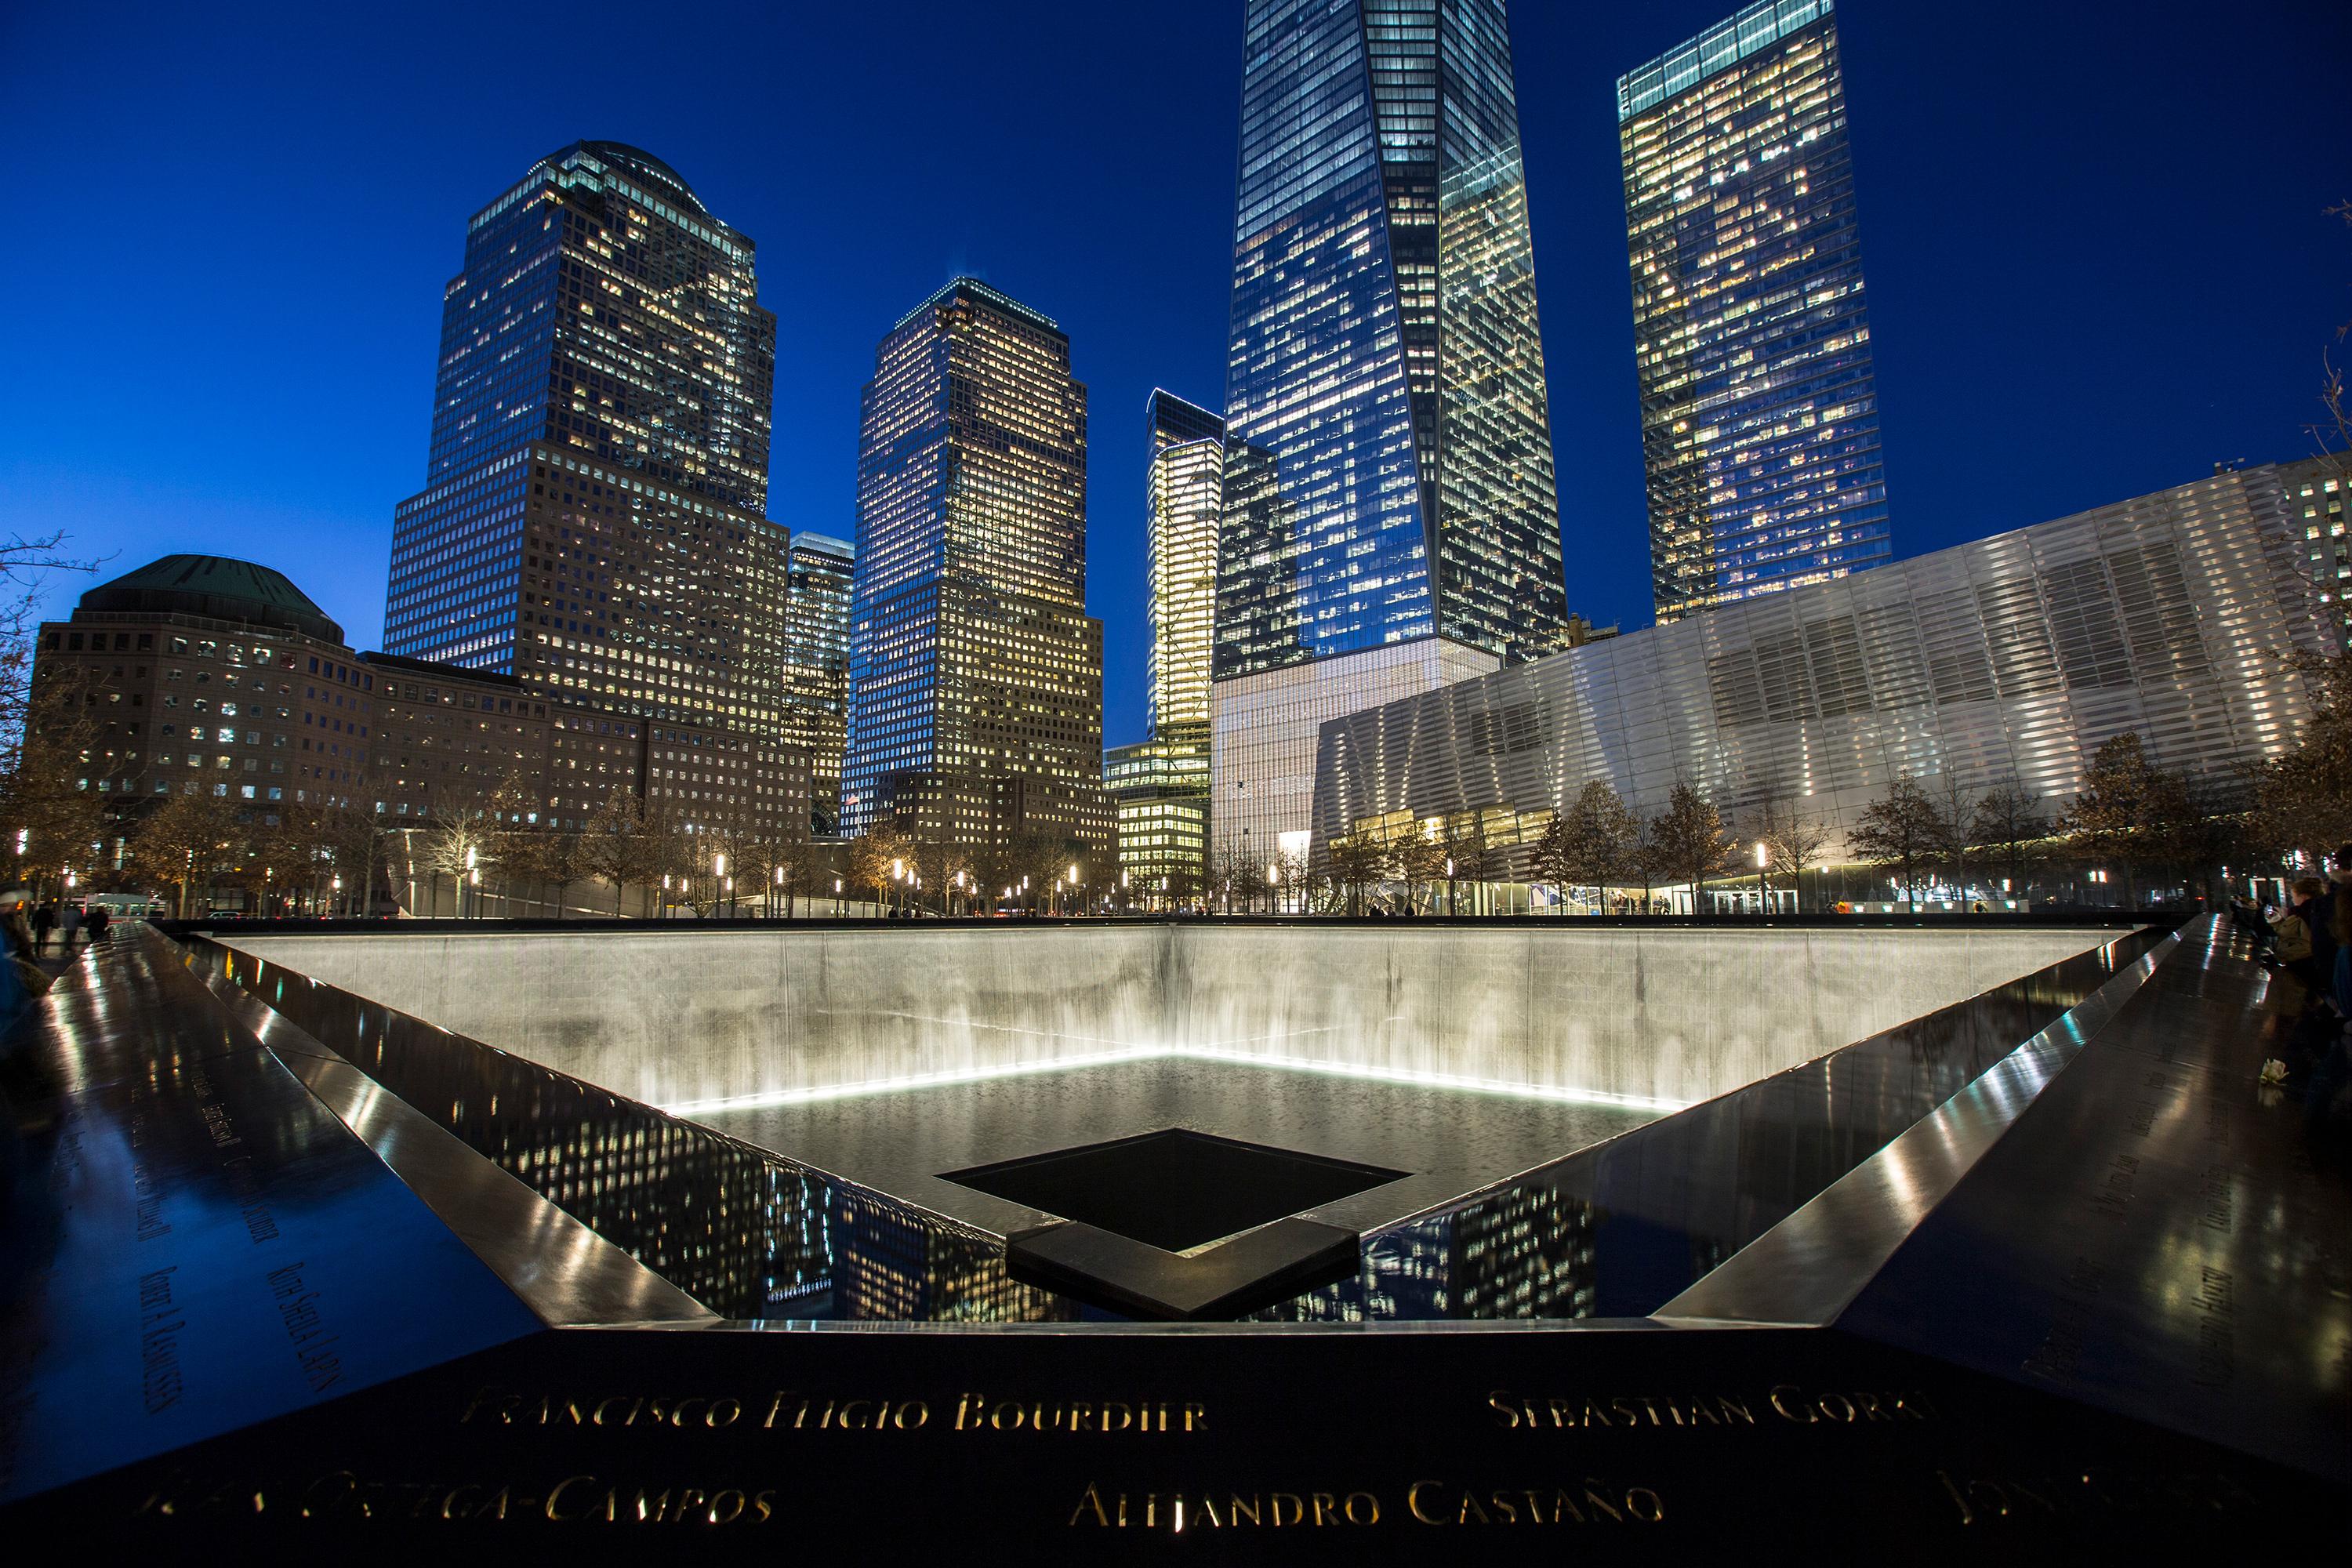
(2133, 822)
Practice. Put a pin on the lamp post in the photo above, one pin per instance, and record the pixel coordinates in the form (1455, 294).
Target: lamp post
(338, 885)
(726, 882)
(473, 877)
(1762, 857)
(837, 898)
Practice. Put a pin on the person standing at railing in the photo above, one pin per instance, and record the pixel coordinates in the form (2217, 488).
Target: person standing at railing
(98, 917)
(44, 919)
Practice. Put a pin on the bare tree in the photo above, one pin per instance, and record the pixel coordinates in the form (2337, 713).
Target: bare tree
(2113, 817)
(1598, 832)
(1419, 861)
(1358, 863)
(2009, 826)
(27, 565)
(2332, 432)
(1691, 843)
(1792, 838)
(1462, 841)
(186, 841)
(1903, 831)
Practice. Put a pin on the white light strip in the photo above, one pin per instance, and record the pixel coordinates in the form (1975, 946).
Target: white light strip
(909, 1080)
(1439, 1079)
(1411, 1076)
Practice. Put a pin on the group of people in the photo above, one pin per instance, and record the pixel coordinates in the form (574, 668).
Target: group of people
(2309, 943)
(70, 919)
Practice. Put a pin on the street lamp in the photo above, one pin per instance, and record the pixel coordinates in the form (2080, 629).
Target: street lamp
(1762, 858)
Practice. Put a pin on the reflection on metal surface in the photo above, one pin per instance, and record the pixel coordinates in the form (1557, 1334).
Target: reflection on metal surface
(1620, 1229)
(1804, 1270)
(563, 1270)
(745, 1234)
(1615, 1231)
(192, 1243)
(2154, 1236)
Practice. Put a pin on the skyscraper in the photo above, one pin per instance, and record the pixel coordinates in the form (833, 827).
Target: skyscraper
(975, 674)
(1389, 476)
(592, 521)
(1759, 407)
(815, 677)
(1160, 783)
(1185, 498)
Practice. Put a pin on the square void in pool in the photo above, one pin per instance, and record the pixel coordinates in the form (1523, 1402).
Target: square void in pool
(1173, 1189)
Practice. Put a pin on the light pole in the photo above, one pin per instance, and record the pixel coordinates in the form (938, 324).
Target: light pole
(338, 885)
(473, 877)
(837, 898)
(726, 882)
(1762, 858)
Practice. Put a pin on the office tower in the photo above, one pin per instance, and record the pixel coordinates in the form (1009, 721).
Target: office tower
(1759, 407)
(2315, 488)
(1184, 496)
(1160, 784)
(815, 678)
(591, 524)
(975, 674)
(1391, 514)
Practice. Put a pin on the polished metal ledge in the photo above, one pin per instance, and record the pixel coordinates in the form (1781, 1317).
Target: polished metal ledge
(2157, 1235)
(567, 1274)
(1803, 1271)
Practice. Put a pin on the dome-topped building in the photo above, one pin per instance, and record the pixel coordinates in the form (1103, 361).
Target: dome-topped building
(219, 588)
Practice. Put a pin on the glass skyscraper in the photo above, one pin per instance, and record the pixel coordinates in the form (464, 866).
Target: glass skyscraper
(591, 524)
(1185, 498)
(1389, 473)
(1161, 784)
(975, 674)
(1759, 407)
(815, 677)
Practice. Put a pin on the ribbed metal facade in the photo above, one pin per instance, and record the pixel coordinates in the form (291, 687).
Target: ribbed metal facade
(2014, 657)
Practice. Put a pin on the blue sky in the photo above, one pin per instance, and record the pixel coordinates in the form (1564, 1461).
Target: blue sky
(2093, 235)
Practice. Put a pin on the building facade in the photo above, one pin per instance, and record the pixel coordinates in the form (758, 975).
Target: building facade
(1159, 785)
(2316, 488)
(975, 674)
(1389, 470)
(1160, 791)
(209, 675)
(1184, 487)
(2009, 660)
(591, 524)
(814, 688)
(1760, 405)
(199, 674)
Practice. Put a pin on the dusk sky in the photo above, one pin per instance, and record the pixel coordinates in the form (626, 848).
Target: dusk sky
(2093, 235)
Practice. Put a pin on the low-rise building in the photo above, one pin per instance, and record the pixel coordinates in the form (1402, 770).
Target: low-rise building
(2009, 660)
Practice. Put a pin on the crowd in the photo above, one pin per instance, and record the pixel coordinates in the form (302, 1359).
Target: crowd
(2309, 947)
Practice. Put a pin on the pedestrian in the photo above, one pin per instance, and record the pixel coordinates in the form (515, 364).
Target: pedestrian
(44, 919)
(98, 917)
(70, 921)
